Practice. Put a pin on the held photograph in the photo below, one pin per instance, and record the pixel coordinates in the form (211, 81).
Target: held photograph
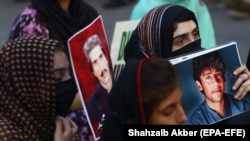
(92, 68)
(206, 79)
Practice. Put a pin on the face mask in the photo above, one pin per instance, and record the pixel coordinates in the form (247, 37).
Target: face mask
(65, 94)
(194, 46)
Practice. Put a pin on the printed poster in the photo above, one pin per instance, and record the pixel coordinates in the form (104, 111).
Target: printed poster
(203, 88)
(122, 33)
(92, 68)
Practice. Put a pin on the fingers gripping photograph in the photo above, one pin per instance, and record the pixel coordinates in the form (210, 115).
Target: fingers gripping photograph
(207, 84)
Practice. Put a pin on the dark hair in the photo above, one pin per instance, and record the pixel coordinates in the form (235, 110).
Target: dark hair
(212, 59)
(158, 80)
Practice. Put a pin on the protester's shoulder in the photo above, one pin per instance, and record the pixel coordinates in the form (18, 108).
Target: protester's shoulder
(28, 12)
(30, 22)
(30, 15)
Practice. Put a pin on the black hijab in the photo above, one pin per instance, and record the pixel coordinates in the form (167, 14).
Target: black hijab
(154, 34)
(125, 102)
(63, 25)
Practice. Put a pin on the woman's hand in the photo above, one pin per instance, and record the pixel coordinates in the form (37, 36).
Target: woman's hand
(76, 104)
(242, 84)
(66, 129)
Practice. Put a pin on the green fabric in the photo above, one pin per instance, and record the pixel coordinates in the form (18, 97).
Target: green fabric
(197, 6)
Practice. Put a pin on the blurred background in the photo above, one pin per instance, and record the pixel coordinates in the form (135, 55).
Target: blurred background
(227, 27)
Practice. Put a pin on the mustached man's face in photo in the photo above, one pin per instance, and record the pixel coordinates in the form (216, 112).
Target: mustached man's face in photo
(100, 65)
(186, 33)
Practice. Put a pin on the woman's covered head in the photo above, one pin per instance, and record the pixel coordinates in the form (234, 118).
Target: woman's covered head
(161, 93)
(148, 92)
(155, 34)
(27, 87)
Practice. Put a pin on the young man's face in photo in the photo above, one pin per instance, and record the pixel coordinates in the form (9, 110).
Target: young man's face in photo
(186, 33)
(212, 84)
(100, 65)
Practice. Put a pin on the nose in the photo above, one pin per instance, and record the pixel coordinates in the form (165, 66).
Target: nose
(101, 65)
(192, 39)
(214, 81)
(181, 116)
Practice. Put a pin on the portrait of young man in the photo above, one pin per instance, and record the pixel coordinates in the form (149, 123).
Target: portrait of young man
(209, 77)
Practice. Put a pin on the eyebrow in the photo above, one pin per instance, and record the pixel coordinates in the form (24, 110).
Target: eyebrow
(185, 34)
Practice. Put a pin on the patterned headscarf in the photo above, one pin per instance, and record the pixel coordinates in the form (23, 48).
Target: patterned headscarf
(154, 34)
(27, 90)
